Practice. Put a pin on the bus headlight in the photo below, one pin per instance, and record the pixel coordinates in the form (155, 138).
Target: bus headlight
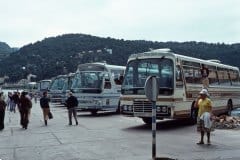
(129, 108)
(158, 109)
(164, 109)
(97, 102)
(125, 108)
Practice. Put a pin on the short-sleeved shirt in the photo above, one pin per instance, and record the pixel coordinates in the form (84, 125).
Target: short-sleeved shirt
(204, 106)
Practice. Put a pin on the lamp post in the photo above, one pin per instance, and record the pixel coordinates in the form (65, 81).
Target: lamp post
(64, 70)
(23, 79)
(23, 68)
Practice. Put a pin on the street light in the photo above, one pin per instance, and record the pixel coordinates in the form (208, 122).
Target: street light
(64, 70)
(23, 68)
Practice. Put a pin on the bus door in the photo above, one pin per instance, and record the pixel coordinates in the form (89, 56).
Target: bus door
(180, 87)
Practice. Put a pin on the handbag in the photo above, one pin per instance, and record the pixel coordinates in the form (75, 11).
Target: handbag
(50, 115)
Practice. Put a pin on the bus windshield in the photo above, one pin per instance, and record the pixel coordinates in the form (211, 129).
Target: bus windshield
(88, 82)
(67, 83)
(43, 85)
(138, 70)
(57, 84)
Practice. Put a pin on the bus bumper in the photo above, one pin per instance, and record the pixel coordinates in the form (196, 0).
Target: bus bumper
(161, 112)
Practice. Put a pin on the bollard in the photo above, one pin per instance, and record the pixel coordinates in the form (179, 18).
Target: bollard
(154, 130)
(151, 91)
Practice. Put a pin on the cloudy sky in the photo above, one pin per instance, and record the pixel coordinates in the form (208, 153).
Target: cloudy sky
(28, 21)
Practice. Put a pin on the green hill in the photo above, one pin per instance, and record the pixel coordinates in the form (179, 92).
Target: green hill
(59, 55)
(6, 49)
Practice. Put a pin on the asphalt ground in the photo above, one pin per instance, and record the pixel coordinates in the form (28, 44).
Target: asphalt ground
(109, 136)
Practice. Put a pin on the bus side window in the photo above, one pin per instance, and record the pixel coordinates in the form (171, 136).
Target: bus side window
(223, 77)
(179, 82)
(234, 75)
(213, 78)
(192, 72)
(119, 80)
(107, 85)
(107, 82)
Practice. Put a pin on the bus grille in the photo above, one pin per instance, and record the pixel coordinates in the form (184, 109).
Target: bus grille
(142, 106)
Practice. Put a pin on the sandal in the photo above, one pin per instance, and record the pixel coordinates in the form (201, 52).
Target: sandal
(200, 143)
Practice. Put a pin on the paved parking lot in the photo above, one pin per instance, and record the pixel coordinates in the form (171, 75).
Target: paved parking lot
(108, 137)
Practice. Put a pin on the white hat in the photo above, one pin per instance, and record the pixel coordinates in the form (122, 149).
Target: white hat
(204, 91)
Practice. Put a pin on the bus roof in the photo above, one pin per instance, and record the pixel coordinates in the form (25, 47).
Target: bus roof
(32, 83)
(101, 65)
(159, 53)
(45, 80)
(70, 74)
(63, 76)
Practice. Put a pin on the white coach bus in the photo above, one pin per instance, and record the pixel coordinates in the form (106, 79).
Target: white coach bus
(56, 88)
(60, 85)
(179, 80)
(43, 85)
(97, 87)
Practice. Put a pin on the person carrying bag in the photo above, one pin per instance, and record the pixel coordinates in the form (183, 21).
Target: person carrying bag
(44, 103)
(50, 115)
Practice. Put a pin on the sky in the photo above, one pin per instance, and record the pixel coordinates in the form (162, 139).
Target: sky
(213, 21)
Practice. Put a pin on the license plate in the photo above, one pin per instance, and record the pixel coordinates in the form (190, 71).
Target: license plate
(141, 114)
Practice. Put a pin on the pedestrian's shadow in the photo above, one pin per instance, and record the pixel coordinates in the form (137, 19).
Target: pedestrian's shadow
(212, 146)
(100, 114)
(164, 125)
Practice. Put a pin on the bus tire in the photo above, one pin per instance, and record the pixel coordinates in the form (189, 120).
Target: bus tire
(94, 112)
(193, 116)
(147, 120)
(229, 106)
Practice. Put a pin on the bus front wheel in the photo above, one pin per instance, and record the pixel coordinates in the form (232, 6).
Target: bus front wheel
(147, 120)
(94, 112)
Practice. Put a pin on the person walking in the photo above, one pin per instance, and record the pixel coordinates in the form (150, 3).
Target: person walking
(2, 111)
(204, 106)
(35, 97)
(71, 104)
(44, 103)
(24, 106)
(15, 101)
(9, 101)
(205, 72)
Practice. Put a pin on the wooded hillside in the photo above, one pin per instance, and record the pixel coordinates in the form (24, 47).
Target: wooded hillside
(60, 55)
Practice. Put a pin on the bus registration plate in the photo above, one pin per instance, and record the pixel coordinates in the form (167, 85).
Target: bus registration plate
(143, 114)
